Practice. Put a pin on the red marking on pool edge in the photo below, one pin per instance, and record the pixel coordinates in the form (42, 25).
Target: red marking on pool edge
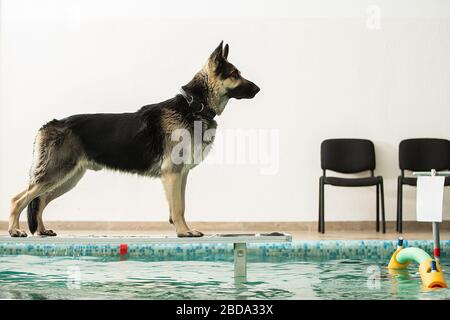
(437, 252)
(123, 249)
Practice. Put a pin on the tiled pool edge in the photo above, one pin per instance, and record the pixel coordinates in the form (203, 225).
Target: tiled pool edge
(327, 249)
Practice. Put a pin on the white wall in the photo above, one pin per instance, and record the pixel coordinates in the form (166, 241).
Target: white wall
(325, 68)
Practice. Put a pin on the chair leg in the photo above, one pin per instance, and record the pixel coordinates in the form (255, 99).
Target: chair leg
(400, 208)
(383, 218)
(322, 186)
(320, 206)
(378, 208)
(398, 204)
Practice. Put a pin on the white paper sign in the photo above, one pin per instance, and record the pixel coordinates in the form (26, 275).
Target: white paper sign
(430, 195)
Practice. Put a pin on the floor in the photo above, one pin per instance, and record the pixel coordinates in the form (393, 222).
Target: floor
(299, 231)
(301, 235)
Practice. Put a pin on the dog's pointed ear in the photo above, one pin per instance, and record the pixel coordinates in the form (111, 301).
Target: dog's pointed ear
(216, 59)
(225, 51)
(218, 52)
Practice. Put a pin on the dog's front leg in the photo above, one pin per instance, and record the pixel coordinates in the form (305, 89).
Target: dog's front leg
(183, 201)
(174, 186)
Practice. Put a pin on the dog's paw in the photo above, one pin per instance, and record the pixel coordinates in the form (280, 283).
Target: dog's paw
(48, 233)
(190, 234)
(17, 233)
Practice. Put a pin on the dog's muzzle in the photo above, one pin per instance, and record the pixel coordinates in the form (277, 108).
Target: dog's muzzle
(255, 89)
(246, 90)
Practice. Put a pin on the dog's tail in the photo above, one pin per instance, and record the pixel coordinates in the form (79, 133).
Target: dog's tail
(32, 211)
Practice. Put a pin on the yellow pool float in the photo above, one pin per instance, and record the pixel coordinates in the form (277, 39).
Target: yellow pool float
(429, 269)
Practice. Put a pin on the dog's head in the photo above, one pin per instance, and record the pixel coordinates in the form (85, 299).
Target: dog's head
(226, 78)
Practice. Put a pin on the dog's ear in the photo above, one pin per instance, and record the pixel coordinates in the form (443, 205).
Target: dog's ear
(218, 52)
(225, 51)
(216, 59)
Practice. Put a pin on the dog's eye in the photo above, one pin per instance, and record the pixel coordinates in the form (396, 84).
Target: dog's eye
(234, 74)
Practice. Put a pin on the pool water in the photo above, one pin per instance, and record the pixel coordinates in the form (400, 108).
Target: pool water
(37, 277)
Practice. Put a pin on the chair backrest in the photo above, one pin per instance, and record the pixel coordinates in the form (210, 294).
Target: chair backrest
(424, 154)
(347, 155)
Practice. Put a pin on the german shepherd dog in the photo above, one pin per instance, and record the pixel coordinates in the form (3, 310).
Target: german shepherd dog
(138, 143)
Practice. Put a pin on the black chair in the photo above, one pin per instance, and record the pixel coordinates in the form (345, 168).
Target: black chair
(419, 155)
(349, 156)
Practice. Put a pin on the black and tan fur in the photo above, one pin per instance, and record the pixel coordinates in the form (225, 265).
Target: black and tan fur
(138, 143)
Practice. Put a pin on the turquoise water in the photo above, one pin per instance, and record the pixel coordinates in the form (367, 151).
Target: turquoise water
(35, 277)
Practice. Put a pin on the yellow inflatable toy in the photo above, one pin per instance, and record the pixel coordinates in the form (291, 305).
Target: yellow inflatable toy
(429, 269)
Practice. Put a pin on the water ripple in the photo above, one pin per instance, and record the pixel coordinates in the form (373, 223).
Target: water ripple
(31, 277)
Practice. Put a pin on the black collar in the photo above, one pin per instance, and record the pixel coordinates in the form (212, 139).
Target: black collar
(198, 107)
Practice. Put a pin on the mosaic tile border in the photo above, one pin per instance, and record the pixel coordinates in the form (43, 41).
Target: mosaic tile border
(328, 249)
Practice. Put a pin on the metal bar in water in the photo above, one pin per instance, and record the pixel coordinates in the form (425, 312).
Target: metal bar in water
(437, 241)
(240, 260)
(428, 173)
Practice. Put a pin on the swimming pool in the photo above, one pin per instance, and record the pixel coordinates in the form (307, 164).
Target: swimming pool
(297, 270)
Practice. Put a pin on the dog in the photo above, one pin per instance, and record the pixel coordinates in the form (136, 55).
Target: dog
(138, 143)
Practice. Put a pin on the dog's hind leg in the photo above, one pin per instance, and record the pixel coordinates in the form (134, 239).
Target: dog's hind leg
(18, 203)
(17, 197)
(13, 227)
(57, 157)
(35, 214)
